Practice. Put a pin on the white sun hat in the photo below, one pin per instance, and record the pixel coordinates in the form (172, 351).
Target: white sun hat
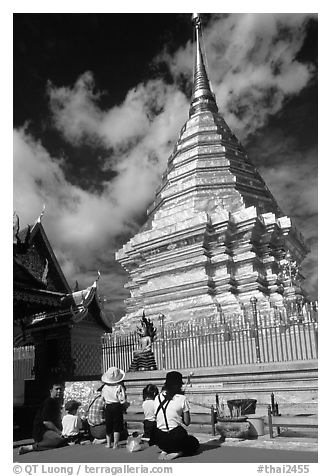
(113, 375)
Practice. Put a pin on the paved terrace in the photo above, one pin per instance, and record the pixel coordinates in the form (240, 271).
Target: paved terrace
(291, 447)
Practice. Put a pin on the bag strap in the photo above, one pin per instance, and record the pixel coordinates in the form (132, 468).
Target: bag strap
(94, 399)
(163, 405)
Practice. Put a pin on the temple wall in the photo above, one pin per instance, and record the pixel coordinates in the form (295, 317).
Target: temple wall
(86, 349)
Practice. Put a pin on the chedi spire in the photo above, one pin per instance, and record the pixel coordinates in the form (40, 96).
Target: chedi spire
(202, 96)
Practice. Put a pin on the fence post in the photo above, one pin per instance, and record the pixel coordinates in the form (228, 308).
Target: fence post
(212, 420)
(256, 330)
(316, 337)
(161, 318)
(271, 433)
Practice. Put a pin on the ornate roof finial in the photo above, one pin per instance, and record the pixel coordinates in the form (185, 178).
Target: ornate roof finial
(97, 279)
(202, 96)
(16, 227)
(19, 246)
(41, 214)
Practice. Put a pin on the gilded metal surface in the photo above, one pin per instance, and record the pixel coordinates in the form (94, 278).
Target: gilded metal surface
(214, 233)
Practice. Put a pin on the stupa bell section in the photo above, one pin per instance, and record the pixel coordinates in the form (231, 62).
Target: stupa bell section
(215, 235)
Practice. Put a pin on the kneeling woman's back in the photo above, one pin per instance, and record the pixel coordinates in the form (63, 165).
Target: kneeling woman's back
(172, 411)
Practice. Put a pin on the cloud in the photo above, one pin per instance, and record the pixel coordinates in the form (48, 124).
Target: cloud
(38, 179)
(252, 66)
(81, 226)
(139, 134)
(77, 115)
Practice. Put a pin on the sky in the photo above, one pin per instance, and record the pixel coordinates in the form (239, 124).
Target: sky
(98, 104)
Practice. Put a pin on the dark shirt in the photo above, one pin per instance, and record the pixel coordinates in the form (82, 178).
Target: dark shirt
(50, 410)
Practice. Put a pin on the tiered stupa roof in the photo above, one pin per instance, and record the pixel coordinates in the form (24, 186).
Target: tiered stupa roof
(209, 167)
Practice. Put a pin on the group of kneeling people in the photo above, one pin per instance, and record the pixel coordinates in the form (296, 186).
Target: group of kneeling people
(165, 413)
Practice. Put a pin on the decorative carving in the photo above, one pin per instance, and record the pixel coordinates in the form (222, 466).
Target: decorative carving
(289, 269)
(45, 273)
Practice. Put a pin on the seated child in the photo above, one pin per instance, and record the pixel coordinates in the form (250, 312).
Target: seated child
(149, 393)
(71, 422)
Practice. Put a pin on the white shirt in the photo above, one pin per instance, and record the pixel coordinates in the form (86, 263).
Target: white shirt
(71, 424)
(148, 407)
(174, 411)
(113, 393)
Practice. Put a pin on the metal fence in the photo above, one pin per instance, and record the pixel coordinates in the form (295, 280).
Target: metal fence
(23, 362)
(252, 337)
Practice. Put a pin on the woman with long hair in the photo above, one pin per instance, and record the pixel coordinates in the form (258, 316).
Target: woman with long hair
(172, 411)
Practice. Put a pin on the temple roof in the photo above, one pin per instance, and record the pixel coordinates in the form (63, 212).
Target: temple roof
(25, 277)
(42, 295)
(67, 308)
(33, 251)
(74, 308)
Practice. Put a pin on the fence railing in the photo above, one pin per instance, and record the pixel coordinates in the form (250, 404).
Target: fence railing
(271, 337)
(266, 336)
(23, 362)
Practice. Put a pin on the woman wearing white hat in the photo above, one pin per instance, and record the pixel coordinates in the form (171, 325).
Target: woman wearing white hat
(114, 394)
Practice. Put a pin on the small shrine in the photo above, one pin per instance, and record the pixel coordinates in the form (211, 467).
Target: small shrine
(143, 358)
(215, 236)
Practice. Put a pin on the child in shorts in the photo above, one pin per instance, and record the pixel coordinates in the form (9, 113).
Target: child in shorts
(114, 394)
(149, 394)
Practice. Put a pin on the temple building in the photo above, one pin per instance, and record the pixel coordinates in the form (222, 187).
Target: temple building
(64, 326)
(215, 236)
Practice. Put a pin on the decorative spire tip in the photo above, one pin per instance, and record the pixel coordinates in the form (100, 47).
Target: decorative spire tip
(41, 214)
(196, 18)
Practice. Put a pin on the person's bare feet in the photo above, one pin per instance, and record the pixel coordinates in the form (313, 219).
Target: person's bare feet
(24, 449)
(99, 441)
(170, 456)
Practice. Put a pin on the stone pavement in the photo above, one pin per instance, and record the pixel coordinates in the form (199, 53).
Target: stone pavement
(262, 450)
